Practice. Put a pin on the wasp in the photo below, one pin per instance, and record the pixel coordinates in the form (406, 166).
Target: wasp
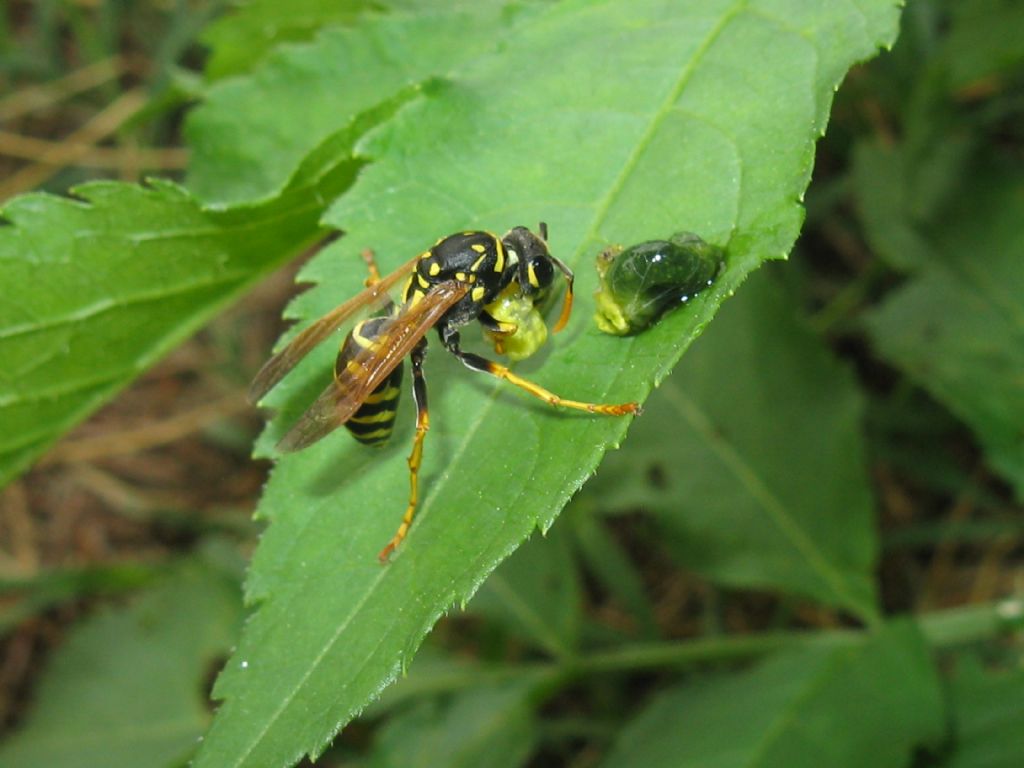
(465, 277)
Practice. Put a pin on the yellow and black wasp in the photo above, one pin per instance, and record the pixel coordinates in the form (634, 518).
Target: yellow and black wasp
(464, 277)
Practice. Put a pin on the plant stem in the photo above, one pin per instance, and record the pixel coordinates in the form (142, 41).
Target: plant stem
(943, 630)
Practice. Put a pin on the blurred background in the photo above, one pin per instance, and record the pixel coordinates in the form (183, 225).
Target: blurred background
(924, 147)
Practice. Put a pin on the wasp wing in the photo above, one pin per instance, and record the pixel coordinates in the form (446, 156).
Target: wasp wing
(278, 366)
(366, 370)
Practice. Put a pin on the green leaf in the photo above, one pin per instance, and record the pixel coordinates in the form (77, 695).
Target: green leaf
(958, 328)
(537, 594)
(988, 717)
(240, 40)
(21, 599)
(984, 41)
(886, 188)
(901, 192)
(868, 702)
(246, 138)
(99, 287)
(127, 687)
(608, 563)
(488, 727)
(614, 122)
(755, 443)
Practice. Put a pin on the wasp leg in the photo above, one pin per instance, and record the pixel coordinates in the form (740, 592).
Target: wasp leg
(371, 266)
(419, 394)
(498, 330)
(451, 341)
(496, 326)
(387, 306)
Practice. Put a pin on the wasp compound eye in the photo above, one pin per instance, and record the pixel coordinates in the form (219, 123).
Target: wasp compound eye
(641, 283)
(540, 272)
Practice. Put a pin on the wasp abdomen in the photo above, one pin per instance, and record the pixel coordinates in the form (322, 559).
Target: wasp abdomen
(374, 422)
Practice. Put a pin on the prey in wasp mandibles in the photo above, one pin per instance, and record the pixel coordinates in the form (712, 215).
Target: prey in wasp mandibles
(498, 282)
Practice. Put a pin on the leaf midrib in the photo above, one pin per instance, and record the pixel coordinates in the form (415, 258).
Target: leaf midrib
(761, 492)
(604, 206)
(135, 298)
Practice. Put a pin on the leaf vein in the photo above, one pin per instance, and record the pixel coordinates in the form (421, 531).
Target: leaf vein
(760, 491)
(105, 305)
(604, 206)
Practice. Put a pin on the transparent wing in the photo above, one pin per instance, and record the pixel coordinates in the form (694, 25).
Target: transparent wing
(278, 366)
(370, 367)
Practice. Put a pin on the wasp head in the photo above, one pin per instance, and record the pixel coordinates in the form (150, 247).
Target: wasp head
(535, 267)
(534, 271)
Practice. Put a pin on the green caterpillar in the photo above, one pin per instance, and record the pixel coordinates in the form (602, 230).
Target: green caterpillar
(646, 280)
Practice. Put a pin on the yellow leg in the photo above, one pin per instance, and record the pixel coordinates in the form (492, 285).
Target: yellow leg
(419, 390)
(414, 471)
(608, 409)
(371, 265)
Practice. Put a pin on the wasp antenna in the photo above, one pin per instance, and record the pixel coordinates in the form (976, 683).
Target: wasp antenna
(563, 318)
(543, 227)
(567, 301)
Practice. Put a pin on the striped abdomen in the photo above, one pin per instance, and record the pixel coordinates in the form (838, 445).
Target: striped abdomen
(373, 423)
